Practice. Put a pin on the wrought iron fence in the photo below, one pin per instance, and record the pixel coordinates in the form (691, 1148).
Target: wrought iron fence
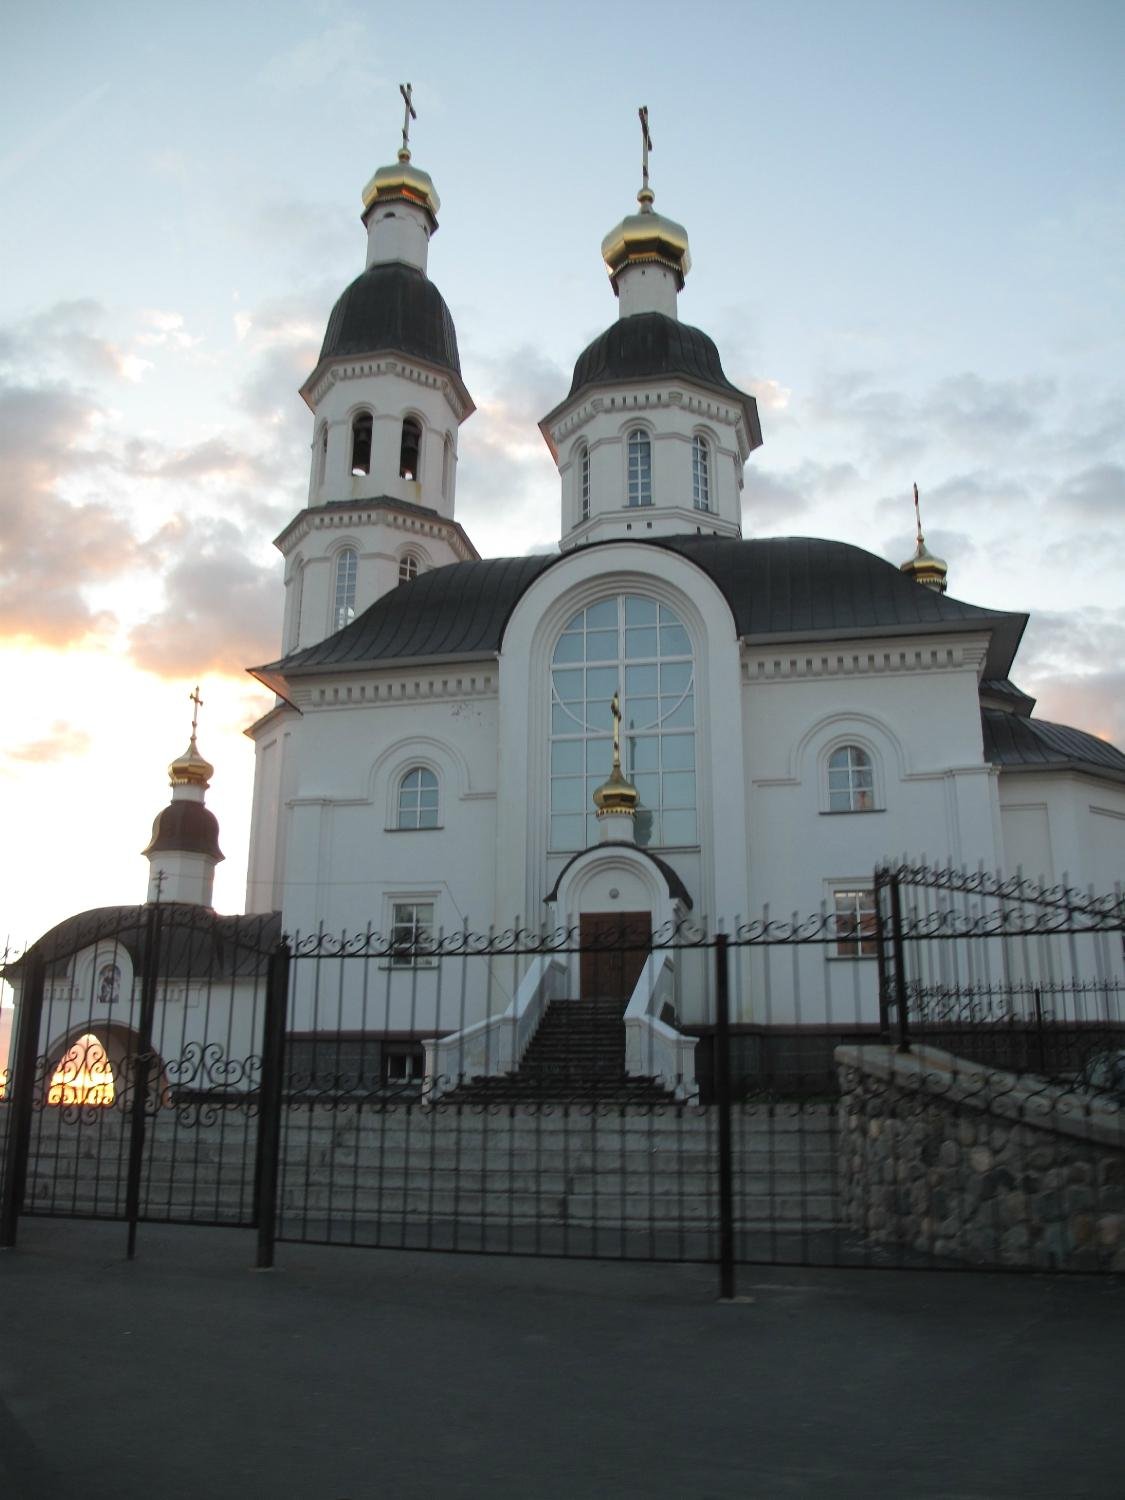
(618, 1092)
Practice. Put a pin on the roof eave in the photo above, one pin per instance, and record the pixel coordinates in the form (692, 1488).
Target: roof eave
(444, 371)
(1058, 767)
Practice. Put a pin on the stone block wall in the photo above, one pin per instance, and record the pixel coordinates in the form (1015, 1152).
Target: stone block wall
(954, 1161)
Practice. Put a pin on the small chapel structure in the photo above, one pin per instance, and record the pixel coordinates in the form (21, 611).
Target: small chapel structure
(665, 721)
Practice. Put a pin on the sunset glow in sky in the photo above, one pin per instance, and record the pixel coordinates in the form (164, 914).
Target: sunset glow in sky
(906, 224)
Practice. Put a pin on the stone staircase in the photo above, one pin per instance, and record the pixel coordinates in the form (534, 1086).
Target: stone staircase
(578, 1052)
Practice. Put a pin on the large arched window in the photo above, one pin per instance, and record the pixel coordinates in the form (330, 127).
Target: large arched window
(640, 467)
(700, 473)
(298, 587)
(344, 610)
(851, 780)
(418, 799)
(322, 457)
(361, 443)
(410, 451)
(640, 649)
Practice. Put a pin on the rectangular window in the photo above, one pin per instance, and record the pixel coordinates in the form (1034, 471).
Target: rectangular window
(412, 934)
(856, 923)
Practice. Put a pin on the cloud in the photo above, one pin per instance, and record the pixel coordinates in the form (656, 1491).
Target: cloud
(1095, 491)
(341, 54)
(49, 549)
(62, 742)
(771, 496)
(222, 609)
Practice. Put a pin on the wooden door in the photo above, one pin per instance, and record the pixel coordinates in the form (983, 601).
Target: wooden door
(615, 945)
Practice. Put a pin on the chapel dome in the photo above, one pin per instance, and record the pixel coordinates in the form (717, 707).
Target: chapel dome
(392, 306)
(649, 344)
(185, 828)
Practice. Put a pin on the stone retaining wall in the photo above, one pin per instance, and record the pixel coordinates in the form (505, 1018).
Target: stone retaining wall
(960, 1162)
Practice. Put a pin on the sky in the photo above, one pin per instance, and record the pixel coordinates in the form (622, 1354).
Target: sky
(906, 224)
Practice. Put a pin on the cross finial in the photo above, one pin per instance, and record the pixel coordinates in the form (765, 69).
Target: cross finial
(407, 92)
(158, 881)
(918, 518)
(646, 145)
(198, 702)
(615, 710)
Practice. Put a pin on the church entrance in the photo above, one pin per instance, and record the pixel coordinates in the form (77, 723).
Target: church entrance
(615, 945)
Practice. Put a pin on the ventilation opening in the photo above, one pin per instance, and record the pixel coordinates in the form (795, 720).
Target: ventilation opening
(361, 444)
(410, 449)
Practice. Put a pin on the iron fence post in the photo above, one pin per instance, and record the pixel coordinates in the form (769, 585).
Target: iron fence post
(266, 1172)
(142, 1069)
(723, 1100)
(881, 953)
(21, 1086)
(900, 965)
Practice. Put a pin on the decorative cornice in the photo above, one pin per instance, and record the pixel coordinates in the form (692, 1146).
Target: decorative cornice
(327, 375)
(397, 690)
(636, 400)
(861, 659)
(385, 511)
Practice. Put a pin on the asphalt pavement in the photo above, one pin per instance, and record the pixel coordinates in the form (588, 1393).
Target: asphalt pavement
(356, 1374)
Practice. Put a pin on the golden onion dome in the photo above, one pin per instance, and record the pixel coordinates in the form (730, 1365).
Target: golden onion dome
(405, 183)
(190, 768)
(616, 795)
(925, 568)
(647, 238)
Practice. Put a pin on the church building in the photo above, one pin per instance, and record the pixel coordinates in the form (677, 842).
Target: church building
(667, 721)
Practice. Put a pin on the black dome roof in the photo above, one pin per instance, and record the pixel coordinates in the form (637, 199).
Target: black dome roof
(652, 345)
(392, 306)
(649, 344)
(185, 828)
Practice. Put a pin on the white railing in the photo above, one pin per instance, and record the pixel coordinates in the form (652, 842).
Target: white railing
(496, 1046)
(653, 1049)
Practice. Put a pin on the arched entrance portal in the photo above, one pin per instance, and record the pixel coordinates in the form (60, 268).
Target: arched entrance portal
(94, 1065)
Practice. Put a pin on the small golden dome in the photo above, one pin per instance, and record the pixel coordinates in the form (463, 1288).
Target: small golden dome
(647, 238)
(190, 769)
(616, 795)
(402, 182)
(925, 568)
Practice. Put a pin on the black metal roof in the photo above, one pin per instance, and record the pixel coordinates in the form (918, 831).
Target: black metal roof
(652, 345)
(778, 589)
(392, 306)
(1016, 743)
(676, 888)
(193, 943)
(1003, 694)
(185, 828)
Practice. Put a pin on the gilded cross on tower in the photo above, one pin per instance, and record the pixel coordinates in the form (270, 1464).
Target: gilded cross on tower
(198, 701)
(917, 515)
(407, 92)
(615, 710)
(646, 143)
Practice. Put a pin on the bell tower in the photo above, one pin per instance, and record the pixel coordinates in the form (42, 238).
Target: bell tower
(387, 400)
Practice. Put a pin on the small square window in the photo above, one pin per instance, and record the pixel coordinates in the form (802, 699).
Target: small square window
(412, 934)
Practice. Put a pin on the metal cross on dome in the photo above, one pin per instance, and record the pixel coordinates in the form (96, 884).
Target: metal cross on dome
(646, 143)
(407, 92)
(198, 701)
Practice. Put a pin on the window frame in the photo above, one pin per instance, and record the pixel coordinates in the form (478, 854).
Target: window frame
(853, 789)
(642, 485)
(414, 900)
(701, 473)
(421, 770)
(415, 424)
(348, 605)
(409, 566)
(857, 940)
(582, 458)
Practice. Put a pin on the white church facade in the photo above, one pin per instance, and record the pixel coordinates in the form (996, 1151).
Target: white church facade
(789, 712)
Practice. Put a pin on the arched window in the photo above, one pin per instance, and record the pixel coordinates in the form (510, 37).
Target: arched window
(298, 586)
(361, 443)
(345, 587)
(700, 473)
(410, 452)
(640, 467)
(418, 799)
(322, 458)
(447, 468)
(407, 568)
(584, 483)
(851, 780)
(637, 648)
